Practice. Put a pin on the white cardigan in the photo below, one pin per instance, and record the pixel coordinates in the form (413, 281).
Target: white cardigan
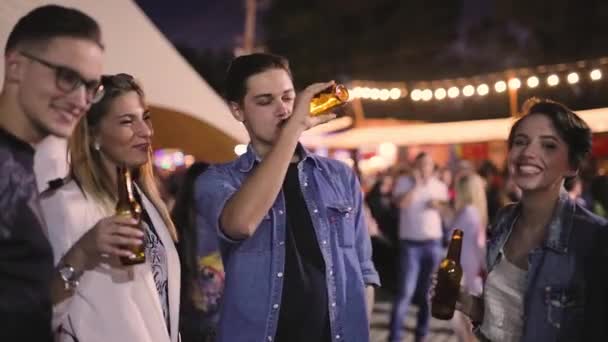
(112, 302)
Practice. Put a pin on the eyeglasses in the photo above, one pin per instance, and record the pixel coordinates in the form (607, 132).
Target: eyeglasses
(68, 79)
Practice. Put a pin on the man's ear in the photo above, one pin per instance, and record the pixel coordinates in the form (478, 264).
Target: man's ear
(236, 111)
(14, 66)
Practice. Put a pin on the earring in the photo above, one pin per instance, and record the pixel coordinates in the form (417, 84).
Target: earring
(96, 146)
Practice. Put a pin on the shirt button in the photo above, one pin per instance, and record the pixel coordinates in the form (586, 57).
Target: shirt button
(333, 304)
(331, 272)
(347, 215)
(269, 338)
(276, 306)
(325, 242)
(280, 274)
(315, 211)
(305, 184)
(280, 212)
(338, 337)
(281, 243)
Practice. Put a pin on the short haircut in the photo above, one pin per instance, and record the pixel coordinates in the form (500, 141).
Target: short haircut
(47, 22)
(419, 156)
(570, 127)
(243, 67)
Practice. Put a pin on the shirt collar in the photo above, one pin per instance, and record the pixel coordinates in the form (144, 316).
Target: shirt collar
(17, 143)
(559, 226)
(248, 160)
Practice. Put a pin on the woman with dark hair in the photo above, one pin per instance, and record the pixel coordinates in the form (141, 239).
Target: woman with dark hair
(202, 271)
(546, 250)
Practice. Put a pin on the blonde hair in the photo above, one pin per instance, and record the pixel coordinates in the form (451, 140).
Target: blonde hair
(470, 190)
(86, 165)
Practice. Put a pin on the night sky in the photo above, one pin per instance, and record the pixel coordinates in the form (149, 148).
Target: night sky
(204, 24)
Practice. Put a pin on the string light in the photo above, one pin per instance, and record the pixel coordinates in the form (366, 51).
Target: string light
(500, 86)
(553, 80)
(572, 78)
(453, 92)
(468, 90)
(440, 94)
(596, 74)
(397, 90)
(483, 89)
(416, 95)
(385, 94)
(427, 95)
(533, 82)
(394, 93)
(514, 83)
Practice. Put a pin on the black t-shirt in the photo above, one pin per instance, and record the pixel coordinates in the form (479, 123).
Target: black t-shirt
(304, 312)
(26, 257)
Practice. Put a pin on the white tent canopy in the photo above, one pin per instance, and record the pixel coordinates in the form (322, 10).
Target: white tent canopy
(135, 46)
(437, 133)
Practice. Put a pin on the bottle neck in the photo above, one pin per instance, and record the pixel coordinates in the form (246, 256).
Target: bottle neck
(125, 185)
(455, 247)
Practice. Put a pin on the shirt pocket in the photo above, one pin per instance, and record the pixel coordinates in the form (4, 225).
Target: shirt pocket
(340, 216)
(260, 241)
(565, 306)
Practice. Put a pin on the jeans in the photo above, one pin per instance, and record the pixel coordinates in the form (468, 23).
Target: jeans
(417, 262)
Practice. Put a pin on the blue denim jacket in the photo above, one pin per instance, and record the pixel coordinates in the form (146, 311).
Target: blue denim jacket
(564, 290)
(254, 267)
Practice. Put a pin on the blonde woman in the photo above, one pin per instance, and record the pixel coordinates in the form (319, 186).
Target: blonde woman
(471, 216)
(100, 299)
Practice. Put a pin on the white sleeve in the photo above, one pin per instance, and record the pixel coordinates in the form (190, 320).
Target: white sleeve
(65, 213)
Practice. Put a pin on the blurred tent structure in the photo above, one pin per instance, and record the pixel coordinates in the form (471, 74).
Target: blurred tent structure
(408, 134)
(187, 113)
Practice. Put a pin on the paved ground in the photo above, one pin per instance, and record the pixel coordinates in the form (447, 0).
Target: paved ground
(441, 331)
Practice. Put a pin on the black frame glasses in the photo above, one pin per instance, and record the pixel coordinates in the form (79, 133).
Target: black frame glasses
(68, 79)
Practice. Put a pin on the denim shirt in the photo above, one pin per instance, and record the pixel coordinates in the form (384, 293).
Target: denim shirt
(254, 267)
(564, 293)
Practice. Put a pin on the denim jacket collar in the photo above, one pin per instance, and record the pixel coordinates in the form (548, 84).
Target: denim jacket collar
(559, 227)
(248, 160)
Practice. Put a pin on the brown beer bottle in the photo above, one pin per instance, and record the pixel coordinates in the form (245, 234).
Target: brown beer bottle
(127, 205)
(328, 99)
(448, 280)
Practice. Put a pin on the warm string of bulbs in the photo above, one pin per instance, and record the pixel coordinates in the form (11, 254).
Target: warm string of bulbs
(425, 91)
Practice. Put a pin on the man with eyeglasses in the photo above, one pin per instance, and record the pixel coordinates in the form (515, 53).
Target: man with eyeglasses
(53, 67)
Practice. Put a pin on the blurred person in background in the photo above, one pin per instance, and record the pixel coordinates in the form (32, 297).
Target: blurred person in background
(599, 191)
(494, 187)
(202, 268)
(446, 176)
(385, 245)
(470, 216)
(420, 198)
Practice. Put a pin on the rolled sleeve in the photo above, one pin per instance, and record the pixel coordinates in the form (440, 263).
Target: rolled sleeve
(212, 190)
(363, 240)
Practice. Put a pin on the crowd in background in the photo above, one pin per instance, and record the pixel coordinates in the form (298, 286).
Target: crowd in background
(476, 191)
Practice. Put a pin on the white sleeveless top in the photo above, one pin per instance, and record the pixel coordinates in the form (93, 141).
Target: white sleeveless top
(504, 302)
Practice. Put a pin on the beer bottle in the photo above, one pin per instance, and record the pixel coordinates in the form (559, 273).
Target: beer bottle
(127, 205)
(327, 99)
(449, 275)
